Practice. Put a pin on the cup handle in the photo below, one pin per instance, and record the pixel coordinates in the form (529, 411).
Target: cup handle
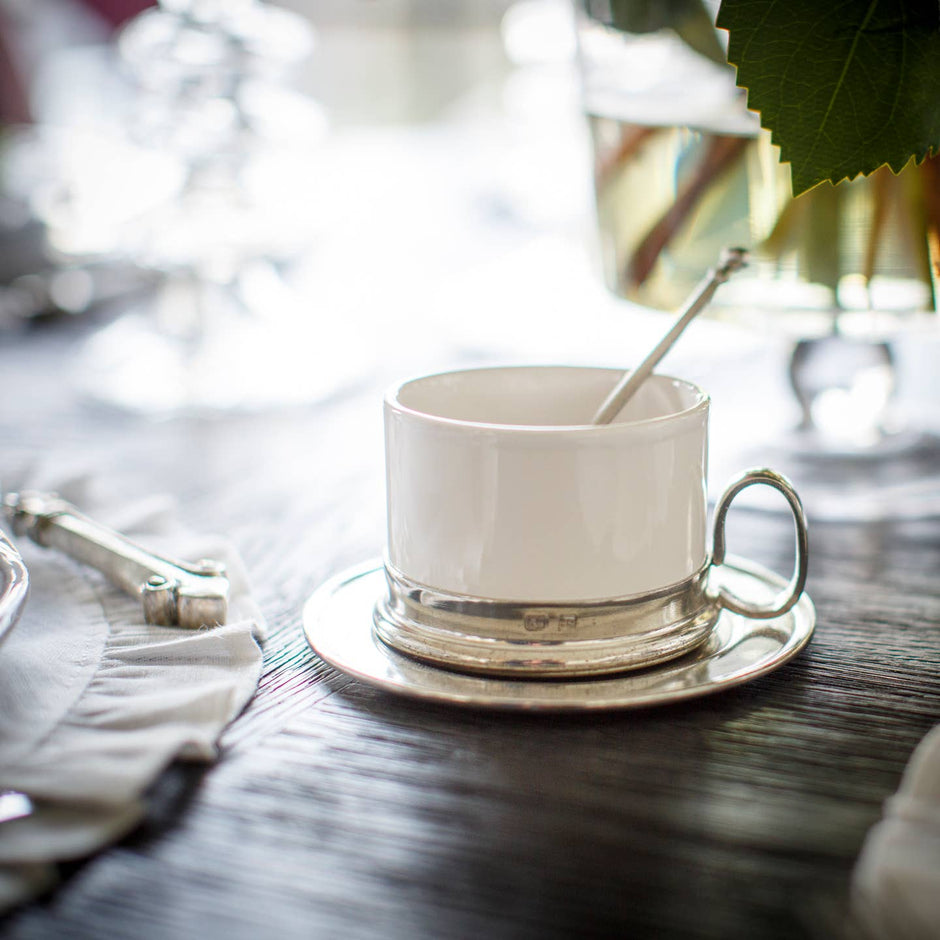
(791, 594)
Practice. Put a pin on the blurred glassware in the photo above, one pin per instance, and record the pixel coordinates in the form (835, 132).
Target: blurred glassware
(58, 249)
(206, 181)
(223, 330)
(682, 168)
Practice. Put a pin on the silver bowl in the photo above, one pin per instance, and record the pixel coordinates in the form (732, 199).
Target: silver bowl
(14, 586)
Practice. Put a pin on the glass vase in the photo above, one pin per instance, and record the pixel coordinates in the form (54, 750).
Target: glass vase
(683, 169)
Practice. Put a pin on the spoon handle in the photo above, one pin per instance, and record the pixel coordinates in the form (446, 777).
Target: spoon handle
(172, 593)
(732, 259)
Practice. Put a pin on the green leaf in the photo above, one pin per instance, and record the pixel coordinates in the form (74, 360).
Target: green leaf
(844, 87)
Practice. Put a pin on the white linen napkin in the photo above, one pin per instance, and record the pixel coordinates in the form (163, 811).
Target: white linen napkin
(896, 882)
(94, 703)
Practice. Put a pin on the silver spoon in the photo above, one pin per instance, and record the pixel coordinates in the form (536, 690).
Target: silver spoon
(173, 593)
(731, 260)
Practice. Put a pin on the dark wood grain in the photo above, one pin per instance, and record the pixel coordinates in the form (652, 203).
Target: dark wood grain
(339, 811)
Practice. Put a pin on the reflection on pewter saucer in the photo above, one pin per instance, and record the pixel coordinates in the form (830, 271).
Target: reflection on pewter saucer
(338, 625)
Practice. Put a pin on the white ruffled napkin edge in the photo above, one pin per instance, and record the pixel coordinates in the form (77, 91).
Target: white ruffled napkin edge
(158, 694)
(896, 882)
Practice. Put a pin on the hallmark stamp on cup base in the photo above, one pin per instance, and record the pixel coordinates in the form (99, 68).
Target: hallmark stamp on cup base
(565, 624)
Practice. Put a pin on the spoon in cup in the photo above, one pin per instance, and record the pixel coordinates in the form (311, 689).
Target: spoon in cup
(731, 260)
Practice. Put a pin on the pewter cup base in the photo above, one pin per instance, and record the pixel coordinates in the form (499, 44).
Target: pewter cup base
(531, 640)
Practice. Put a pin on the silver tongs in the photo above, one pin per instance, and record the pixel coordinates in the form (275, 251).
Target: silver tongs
(173, 593)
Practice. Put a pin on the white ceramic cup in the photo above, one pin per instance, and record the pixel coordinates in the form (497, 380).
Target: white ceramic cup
(515, 525)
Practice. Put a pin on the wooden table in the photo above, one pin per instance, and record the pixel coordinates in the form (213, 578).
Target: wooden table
(339, 811)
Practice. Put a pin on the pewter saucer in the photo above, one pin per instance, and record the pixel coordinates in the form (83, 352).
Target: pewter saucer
(338, 625)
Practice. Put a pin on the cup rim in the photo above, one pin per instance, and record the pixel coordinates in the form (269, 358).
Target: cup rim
(391, 402)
